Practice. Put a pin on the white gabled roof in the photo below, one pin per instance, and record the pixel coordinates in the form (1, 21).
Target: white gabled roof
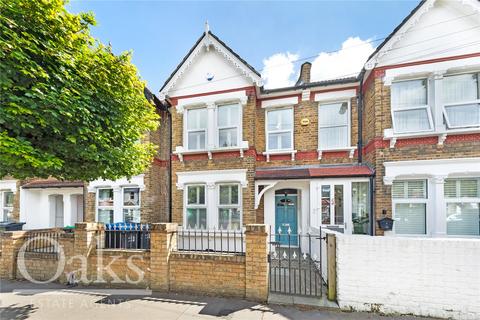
(449, 20)
(207, 42)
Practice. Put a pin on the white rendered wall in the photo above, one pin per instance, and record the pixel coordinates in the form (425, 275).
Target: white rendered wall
(429, 277)
(35, 207)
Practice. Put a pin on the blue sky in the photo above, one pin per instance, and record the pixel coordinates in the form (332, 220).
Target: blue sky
(264, 33)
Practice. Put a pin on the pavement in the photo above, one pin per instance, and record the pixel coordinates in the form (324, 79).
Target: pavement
(23, 300)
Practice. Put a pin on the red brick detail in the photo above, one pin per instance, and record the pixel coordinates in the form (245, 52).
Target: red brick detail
(160, 163)
(327, 171)
(380, 143)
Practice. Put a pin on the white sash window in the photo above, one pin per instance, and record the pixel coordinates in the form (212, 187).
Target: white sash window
(228, 124)
(410, 109)
(196, 128)
(105, 205)
(409, 199)
(461, 97)
(6, 204)
(196, 207)
(462, 198)
(280, 129)
(131, 204)
(333, 126)
(229, 208)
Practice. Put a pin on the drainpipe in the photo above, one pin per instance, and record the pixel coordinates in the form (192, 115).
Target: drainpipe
(169, 115)
(372, 206)
(360, 117)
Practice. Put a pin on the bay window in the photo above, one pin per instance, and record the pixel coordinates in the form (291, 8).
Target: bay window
(196, 128)
(229, 212)
(280, 129)
(461, 98)
(410, 109)
(409, 199)
(228, 124)
(105, 205)
(333, 126)
(196, 208)
(131, 204)
(462, 198)
(6, 204)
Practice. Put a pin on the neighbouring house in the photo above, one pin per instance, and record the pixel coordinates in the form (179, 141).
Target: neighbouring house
(401, 140)
(45, 203)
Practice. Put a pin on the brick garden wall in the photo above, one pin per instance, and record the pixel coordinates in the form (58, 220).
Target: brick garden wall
(162, 267)
(225, 275)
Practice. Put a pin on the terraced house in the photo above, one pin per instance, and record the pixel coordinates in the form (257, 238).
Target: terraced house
(402, 140)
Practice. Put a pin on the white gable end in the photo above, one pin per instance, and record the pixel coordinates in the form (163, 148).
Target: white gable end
(440, 28)
(209, 67)
(209, 64)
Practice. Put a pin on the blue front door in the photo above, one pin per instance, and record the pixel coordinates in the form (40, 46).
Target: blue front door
(286, 229)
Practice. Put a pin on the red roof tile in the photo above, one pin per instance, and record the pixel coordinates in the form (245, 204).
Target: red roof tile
(53, 184)
(317, 172)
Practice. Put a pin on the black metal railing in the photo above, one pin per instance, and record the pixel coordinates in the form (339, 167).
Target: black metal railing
(134, 236)
(295, 266)
(211, 241)
(42, 241)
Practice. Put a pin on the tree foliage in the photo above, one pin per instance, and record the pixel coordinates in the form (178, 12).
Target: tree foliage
(69, 107)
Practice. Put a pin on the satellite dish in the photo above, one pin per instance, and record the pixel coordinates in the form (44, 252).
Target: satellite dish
(210, 76)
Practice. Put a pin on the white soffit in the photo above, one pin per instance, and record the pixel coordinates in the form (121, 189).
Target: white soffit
(9, 185)
(335, 95)
(212, 177)
(280, 102)
(430, 168)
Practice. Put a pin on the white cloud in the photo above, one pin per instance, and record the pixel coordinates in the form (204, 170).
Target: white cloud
(278, 70)
(346, 62)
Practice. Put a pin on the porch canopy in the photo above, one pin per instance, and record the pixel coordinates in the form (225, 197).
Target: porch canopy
(267, 178)
(319, 171)
(43, 184)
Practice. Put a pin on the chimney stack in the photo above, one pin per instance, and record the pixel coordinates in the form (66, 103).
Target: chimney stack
(304, 73)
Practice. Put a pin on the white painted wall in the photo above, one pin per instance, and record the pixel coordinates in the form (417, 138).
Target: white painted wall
(428, 277)
(447, 28)
(35, 207)
(226, 76)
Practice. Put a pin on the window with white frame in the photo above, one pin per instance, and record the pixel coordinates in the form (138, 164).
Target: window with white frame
(131, 204)
(333, 125)
(410, 109)
(409, 200)
(228, 125)
(229, 208)
(6, 203)
(196, 208)
(280, 129)
(105, 205)
(196, 128)
(462, 198)
(461, 98)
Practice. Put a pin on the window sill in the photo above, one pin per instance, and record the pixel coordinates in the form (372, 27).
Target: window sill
(180, 151)
(388, 134)
(279, 152)
(350, 150)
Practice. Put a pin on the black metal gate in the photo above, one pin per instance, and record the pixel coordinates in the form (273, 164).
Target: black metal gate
(295, 263)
